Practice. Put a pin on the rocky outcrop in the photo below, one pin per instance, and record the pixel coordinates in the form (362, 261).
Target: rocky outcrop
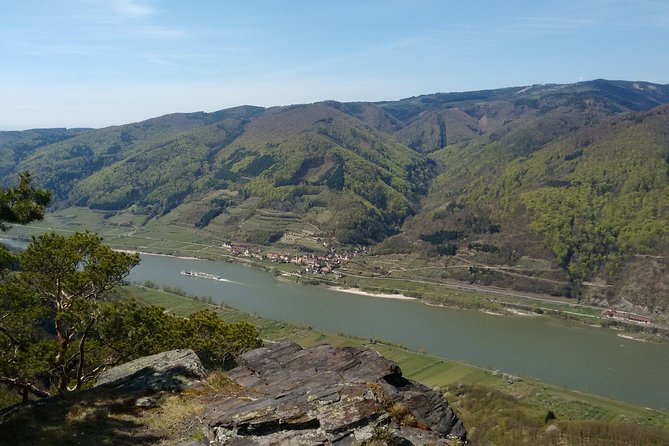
(279, 395)
(168, 371)
(326, 395)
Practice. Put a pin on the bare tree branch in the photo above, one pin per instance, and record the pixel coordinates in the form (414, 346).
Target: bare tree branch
(24, 385)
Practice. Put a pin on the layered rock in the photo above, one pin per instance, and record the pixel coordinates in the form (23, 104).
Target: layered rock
(168, 371)
(327, 395)
(279, 395)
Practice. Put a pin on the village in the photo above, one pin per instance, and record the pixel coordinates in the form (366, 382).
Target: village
(311, 263)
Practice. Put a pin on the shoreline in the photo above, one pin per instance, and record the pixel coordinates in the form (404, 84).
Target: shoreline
(630, 337)
(369, 294)
(144, 253)
(492, 313)
(521, 312)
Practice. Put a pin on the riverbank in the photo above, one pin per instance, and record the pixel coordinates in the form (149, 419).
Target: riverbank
(367, 293)
(131, 251)
(520, 404)
(591, 360)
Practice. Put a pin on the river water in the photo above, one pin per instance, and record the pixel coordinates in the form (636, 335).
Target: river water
(588, 359)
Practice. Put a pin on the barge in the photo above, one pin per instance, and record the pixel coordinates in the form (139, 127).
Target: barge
(203, 275)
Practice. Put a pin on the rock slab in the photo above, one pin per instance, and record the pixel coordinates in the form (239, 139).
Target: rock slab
(327, 396)
(168, 371)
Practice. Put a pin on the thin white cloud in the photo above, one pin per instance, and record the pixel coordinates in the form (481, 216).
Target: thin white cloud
(131, 8)
(409, 42)
(126, 19)
(661, 20)
(355, 58)
(156, 60)
(557, 22)
(55, 49)
(29, 107)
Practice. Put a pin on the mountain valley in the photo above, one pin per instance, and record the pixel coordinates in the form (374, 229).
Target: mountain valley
(560, 190)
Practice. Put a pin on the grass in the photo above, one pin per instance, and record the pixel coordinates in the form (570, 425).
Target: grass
(175, 414)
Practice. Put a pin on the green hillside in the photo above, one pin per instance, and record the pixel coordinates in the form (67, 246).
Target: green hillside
(327, 169)
(316, 160)
(555, 189)
(593, 202)
(17, 146)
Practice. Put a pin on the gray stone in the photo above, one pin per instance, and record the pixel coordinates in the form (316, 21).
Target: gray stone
(286, 395)
(148, 401)
(324, 395)
(167, 371)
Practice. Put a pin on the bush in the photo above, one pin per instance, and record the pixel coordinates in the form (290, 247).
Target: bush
(447, 250)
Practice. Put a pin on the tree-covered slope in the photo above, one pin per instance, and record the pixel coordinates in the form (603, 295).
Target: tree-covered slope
(568, 179)
(431, 122)
(61, 166)
(317, 159)
(156, 174)
(16, 146)
(320, 164)
(594, 201)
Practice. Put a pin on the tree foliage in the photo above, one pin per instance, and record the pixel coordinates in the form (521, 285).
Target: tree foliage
(19, 309)
(23, 203)
(59, 326)
(590, 194)
(50, 310)
(133, 331)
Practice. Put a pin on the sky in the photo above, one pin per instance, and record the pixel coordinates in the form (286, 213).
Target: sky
(95, 63)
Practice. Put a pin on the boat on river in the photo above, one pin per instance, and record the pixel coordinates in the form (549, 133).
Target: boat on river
(202, 275)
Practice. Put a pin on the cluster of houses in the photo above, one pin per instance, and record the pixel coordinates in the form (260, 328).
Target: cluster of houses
(311, 263)
(626, 316)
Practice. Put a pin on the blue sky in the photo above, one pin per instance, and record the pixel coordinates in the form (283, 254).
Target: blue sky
(93, 63)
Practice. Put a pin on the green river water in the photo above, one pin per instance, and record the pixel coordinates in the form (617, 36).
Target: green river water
(580, 357)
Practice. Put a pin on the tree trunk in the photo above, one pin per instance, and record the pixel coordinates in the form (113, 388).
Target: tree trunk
(63, 344)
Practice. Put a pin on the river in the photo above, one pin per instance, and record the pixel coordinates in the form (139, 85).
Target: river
(589, 359)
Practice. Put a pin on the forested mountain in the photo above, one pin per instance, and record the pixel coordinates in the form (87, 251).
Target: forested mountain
(572, 177)
(17, 146)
